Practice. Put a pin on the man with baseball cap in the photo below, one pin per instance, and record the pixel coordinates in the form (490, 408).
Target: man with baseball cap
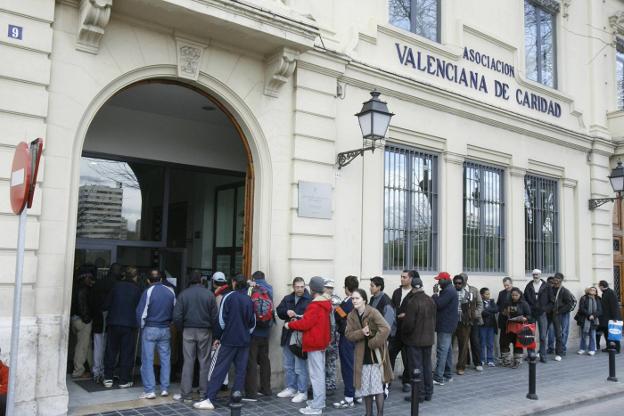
(447, 316)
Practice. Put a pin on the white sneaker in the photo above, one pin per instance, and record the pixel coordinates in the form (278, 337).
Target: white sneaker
(108, 383)
(287, 392)
(164, 393)
(150, 395)
(591, 353)
(557, 358)
(300, 398)
(126, 385)
(479, 368)
(177, 397)
(204, 405)
(581, 352)
(310, 411)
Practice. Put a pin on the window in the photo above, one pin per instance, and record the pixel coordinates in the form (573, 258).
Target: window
(484, 240)
(418, 16)
(541, 218)
(616, 245)
(619, 73)
(539, 40)
(410, 209)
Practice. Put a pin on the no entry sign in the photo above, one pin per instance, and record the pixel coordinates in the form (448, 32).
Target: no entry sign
(21, 172)
(24, 174)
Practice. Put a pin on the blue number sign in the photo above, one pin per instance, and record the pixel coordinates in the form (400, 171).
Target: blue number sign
(15, 32)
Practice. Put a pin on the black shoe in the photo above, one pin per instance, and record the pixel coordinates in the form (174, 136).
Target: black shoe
(605, 350)
(543, 359)
(427, 398)
(224, 387)
(406, 388)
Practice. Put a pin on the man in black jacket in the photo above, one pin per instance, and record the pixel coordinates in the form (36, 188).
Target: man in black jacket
(504, 300)
(101, 288)
(195, 314)
(610, 311)
(563, 303)
(395, 345)
(121, 329)
(538, 295)
(81, 318)
(295, 368)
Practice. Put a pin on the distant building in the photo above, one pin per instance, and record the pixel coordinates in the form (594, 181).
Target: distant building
(99, 213)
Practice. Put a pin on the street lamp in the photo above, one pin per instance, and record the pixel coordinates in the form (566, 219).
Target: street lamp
(617, 183)
(374, 119)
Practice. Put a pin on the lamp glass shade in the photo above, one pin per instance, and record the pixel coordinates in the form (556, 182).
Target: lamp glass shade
(366, 123)
(381, 121)
(617, 178)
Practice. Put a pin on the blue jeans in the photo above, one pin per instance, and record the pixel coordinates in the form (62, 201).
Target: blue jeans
(592, 340)
(152, 338)
(486, 335)
(564, 319)
(444, 356)
(296, 371)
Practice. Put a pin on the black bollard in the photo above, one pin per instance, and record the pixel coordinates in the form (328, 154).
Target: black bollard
(235, 404)
(415, 391)
(531, 395)
(612, 376)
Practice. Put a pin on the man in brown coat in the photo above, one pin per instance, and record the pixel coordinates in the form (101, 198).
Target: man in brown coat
(418, 335)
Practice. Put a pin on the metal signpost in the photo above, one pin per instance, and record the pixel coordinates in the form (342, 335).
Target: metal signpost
(23, 177)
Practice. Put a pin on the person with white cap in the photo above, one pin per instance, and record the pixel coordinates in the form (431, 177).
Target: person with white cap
(538, 295)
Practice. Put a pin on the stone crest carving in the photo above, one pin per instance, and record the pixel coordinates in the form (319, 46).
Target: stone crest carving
(94, 16)
(189, 58)
(565, 6)
(278, 69)
(617, 23)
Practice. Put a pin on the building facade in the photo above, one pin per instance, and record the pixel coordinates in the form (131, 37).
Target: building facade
(219, 123)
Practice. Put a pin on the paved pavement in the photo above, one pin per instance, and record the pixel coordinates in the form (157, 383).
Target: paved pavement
(496, 391)
(602, 407)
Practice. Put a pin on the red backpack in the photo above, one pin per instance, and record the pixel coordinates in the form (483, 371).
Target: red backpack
(262, 306)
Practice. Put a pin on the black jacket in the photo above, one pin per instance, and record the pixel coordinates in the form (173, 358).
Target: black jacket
(513, 310)
(489, 313)
(288, 303)
(341, 321)
(81, 305)
(544, 301)
(504, 299)
(121, 304)
(100, 291)
(583, 310)
(420, 320)
(196, 307)
(447, 314)
(610, 307)
(565, 302)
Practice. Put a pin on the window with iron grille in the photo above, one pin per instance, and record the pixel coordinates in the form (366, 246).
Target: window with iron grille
(541, 224)
(539, 40)
(619, 73)
(410, 209)
(484, 241)
(617, 284)
(417, 16)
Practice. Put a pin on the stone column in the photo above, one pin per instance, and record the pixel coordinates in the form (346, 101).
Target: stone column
(451, 216)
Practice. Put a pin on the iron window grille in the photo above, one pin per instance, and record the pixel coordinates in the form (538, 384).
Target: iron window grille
(421, 17)
(540, 40)
(619, 73)
(410, 209)
(617, 283)
(484, 234)
(541, 219)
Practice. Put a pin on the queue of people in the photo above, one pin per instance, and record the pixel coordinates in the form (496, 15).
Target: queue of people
(230, 325)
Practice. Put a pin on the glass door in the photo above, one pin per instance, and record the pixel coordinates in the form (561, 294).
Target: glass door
(229, 229)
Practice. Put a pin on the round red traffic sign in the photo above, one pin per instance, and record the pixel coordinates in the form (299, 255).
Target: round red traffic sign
(20, 178)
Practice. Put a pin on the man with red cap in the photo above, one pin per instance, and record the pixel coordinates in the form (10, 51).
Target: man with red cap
(447, 316)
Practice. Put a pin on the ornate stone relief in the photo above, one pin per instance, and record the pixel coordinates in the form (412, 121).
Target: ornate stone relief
(617, 23)
(94, 15)
(552, 6)
(565, 6)
(278, 68)
(189, 58)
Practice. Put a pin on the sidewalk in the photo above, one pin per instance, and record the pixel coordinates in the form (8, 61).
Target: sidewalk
(496, 391)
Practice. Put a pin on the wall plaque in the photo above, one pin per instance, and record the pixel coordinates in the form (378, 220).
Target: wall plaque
(315, 200)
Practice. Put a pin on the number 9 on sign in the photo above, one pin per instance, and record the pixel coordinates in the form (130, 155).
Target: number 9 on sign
(15, 32)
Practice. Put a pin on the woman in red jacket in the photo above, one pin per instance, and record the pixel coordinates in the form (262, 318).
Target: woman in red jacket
(315, 328)
(4, 385)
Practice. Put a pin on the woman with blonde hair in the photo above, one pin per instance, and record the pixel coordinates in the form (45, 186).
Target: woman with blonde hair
(587, 317)
(368, 329)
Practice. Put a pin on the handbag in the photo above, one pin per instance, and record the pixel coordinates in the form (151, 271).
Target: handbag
(525, 337)
(295, 344)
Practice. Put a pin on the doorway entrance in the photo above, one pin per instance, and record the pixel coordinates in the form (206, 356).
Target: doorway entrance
(166, 182)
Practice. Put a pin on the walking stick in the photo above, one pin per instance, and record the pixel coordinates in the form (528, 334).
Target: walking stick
(136, 347)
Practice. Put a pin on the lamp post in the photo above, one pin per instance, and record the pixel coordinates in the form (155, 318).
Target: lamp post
(374, 119)
(617, 183)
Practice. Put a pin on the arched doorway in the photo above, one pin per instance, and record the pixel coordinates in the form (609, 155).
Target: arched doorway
(166, 182)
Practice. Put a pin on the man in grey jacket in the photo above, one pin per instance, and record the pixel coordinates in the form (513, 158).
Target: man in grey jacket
(196, 313)
(475, 341)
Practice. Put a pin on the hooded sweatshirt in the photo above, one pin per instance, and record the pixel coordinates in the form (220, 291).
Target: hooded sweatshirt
(315, 324)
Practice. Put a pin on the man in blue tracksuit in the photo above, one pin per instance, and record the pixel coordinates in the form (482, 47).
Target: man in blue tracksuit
(237, 322)
(346, 348)
(154, 314)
